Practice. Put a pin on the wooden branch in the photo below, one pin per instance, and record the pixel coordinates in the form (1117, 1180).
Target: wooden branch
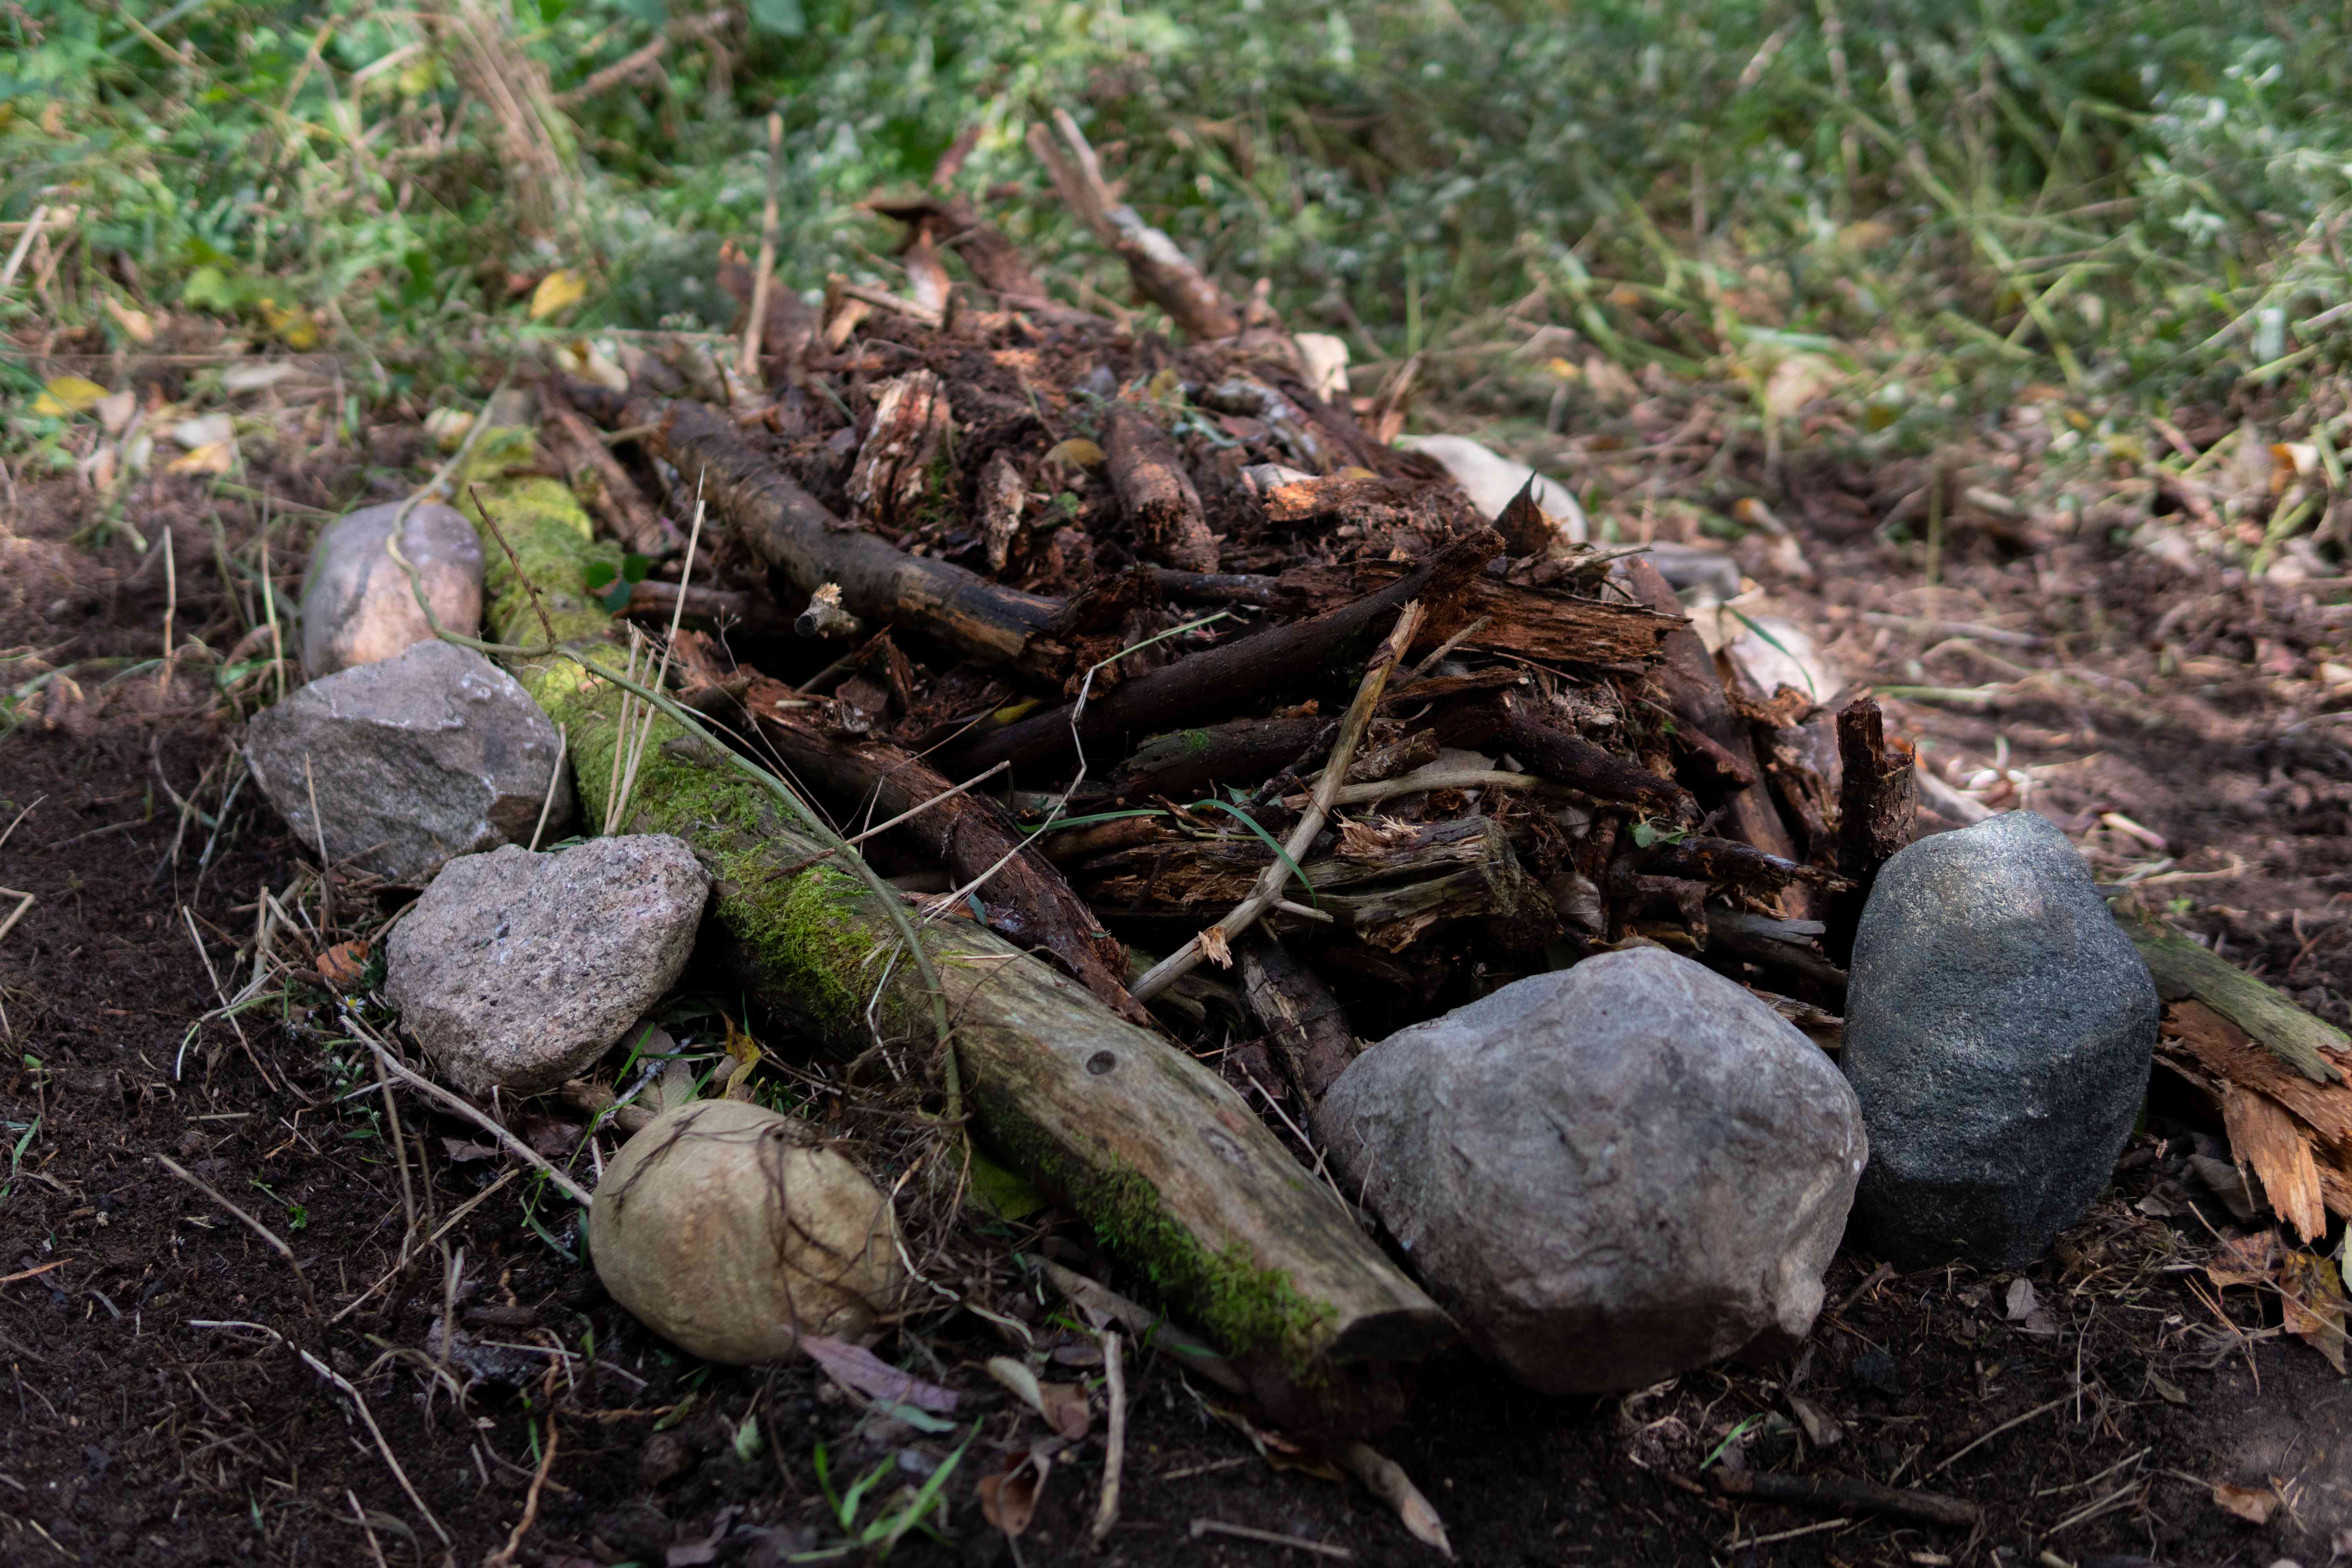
(597, 478)
(1026, 899)
(1182, 764)
(709, 609)
(788, 530)
(1877, 806)
(1549, 747)
(1160, 270)
(1727, 862)
(1220, 679)
(1216, 941)
(1173, 1168)
(1156, 494)
(1693, 693)
(1312, 1042)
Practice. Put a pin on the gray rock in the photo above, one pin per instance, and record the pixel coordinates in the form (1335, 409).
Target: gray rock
(1607, 1174)
(515, 971)
(357, 605)
(1998, 1031)
(433, 753)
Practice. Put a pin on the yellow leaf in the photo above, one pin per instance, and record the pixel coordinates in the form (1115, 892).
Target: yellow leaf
(1165, 385)
(1078, 452)
(69, 395)
(558, 291)
(135, 324)
(292, 323)
(746, 1052)
(216, 457)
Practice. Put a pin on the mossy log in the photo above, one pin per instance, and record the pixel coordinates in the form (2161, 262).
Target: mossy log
(1178, 1178)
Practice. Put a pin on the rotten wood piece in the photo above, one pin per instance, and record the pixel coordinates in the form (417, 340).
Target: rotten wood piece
(2182, 969)
(1532, 623)
(893, 473)
(1386, 889)
(1220, 678)
(1308, 1033)
(1546, 746)
(1156, 493)
(1878, 804)
(1173, 1168)
(1182, 764)
(1729, 863)
(788, 530)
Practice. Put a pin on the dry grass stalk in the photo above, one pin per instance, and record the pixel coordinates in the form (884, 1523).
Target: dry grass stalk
(532, 132)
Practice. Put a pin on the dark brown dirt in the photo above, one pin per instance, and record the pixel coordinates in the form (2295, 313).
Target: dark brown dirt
(142, 1437)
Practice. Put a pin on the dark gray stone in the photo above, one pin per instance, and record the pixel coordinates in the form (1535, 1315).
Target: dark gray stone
(357, 605)
(1608, 1174)
(1998, 1031)
(433, 753)
(515, 969)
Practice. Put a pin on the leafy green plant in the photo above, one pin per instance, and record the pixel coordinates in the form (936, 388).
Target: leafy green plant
(881, 1534)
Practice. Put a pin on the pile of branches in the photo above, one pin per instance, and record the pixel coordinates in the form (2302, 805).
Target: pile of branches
(1168, 661)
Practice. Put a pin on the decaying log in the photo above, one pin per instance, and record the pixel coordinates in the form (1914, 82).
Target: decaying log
(1877, 805)
(1182, 764)
(2265, 1138)
(2183, 969)
(1308, 1033)
(1436, 512)
(1386, 891)
(1215, 587)
(1174, 1171)
(1693, 693)
(1791, 945)
(791, 532)
(1156, 493)
(1533, 622)
(2234, 1071)
(1026, 899)
(1219, 679)
(1727, 862)
(597, 478)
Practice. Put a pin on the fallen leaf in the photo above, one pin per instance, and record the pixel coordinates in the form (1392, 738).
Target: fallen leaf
(2245, 1261)
(67, 394)
(1008, 1500)
(1388, 1481)
(2315, 1305)
(2253, 1504)
(463, 1152)
(557, 292)
(205, 430)
(1077, 452)
(746, 1052)
(2019, 1301)
(862, 1372)
(1066, 1409)
(254, 377)
(136, 324)
(342, 965)
(115, 409)
(447, 427)
(1821, 1429)
(292, 323)
(217, 458)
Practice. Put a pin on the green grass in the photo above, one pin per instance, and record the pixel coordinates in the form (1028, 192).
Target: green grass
(2138, 200)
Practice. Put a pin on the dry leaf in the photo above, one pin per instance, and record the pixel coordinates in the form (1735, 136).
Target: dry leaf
(747, 1053)
(1077, 452)
(115, 409)
(292, 323)
(136, 324)
(2245, 1261)
(206, 430)
(255, 377)
(1388, 1482)
(1065, 1409)
(2314, 1293)
(1008, 1500)
(558, 291)
(67, 394)
(217, 459)
(862, 1372)
(2253, 1504)
(1821, 1429)
(342, 965)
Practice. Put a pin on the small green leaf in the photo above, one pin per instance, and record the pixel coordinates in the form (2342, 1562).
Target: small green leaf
(1271, 842)
(634, 567)
(783, 17)
(601, 572)
(616, 598)
(1643, 835)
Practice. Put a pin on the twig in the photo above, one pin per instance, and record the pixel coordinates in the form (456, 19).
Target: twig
(469, 1207)
(24, 245)
(1439, 778)
(367, 1417)
(226, 1007)
(2015, 1421)
(1271, 881)
(756, 327)
(171, 608)
(375, 1548)
(1202, 1527)
(512, 558)
(318, 826)
(442, 1097)
(554, 780)
(505, 1554)
(23, 901)
(1840, 1494)
(251, 1223)
(1114, 1441)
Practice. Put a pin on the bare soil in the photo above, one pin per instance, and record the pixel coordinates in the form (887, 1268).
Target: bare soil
(142, 1436)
